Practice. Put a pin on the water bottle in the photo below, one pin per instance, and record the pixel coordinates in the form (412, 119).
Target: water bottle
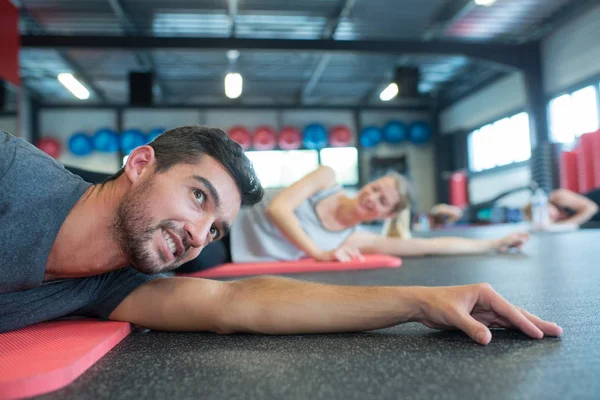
(540, 219)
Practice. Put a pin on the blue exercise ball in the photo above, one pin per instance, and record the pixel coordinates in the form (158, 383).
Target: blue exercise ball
(80, 144)
(395, 132)
(106, 140)
(370, 136)
(419, 132)
(130, 139)
(154, 133)
(315, 136)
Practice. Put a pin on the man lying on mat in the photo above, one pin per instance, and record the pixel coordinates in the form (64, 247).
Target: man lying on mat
(67, 245)
(315, 218)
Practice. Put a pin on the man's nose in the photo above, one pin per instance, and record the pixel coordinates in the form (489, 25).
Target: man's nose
(197, 232)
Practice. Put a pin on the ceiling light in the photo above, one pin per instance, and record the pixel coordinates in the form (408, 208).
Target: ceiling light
(233, 85)
(74, 86)
(485, 3)
(389, 92)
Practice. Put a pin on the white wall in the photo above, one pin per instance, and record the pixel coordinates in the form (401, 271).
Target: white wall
(421, 158)
(571, 54)
(486, 105)
(61, 124)
(166, 118)
(9, 124)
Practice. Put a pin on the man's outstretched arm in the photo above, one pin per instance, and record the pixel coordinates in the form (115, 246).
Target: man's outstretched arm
(271, 305)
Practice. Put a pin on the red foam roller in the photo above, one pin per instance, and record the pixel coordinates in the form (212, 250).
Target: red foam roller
(290, 138)
(371, 261)
(264, 138)
(458, 189)
(569, 176)
(241, 135)
(596, 158)
(340, 135)
(585, 163)
(48, 356)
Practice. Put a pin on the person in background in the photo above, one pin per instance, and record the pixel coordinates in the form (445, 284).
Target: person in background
(567, 208)
(315, 218)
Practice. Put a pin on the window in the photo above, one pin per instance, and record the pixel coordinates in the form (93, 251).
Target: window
(503, 142)
(573, 114)
(344, 161)
(278, 168)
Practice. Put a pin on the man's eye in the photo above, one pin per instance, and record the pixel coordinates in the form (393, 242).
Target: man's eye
(214, 232)
(200, 196)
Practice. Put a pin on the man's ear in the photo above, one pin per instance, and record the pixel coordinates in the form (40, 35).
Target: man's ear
(141, 162)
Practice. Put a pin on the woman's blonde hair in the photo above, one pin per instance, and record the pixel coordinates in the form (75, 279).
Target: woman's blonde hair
(399, 225)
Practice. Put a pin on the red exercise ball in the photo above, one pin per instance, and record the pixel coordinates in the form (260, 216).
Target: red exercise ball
(50, 146)
(264, 138)
(340, 135)
(290, 138)
(241, 135)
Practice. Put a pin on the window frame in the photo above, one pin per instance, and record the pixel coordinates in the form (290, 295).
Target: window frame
(509, 166)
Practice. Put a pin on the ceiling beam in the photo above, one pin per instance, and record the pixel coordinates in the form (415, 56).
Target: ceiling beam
(507, 54)
(450, 13)
(144, 59)
(329, 34)
(71, 64)
(232, 12)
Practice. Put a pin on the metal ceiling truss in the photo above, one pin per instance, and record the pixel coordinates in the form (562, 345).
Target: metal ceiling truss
(71, 64)
(507, 54)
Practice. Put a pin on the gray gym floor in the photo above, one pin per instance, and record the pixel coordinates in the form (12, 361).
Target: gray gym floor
(557, 276)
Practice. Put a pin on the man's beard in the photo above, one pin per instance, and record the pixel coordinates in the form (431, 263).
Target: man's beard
(133, 229)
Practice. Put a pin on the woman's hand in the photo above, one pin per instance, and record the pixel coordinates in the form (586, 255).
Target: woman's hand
(343, 253)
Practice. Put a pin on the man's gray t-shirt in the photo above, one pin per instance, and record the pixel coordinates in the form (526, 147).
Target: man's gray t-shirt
(36, 195)
(254, 238)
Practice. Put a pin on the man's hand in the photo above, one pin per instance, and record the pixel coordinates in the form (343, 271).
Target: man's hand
(513, 241)
(343, 253)
(475, 308)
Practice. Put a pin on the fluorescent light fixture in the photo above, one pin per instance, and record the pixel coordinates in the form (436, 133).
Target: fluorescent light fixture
(389, 92)
(233, 85)
(485, 3)
(74, 86)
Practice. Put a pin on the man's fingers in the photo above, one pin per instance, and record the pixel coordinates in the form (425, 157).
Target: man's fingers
(504, 309)
(549, 328)
(475, 329)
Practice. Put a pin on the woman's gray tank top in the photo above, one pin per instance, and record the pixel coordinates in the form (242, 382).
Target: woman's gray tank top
(254, 238)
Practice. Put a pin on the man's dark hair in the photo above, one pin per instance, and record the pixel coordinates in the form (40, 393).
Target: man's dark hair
(187, 144)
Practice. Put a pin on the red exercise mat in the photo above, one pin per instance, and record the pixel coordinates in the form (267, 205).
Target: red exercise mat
(371, 261)
(50, 355)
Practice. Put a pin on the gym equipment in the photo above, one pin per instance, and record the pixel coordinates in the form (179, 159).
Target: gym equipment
(241, 135)
(50, 146)
(80, 144)
(340, 136)
(371, 261)
(370, 136)
(264, 138)
(458, 188)
(154, 133)
(130, 139)
(48, 356)
(290, 138)
(106, 140)
(419, 132)
(395, 132)
(315, 136)
(569, 177)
